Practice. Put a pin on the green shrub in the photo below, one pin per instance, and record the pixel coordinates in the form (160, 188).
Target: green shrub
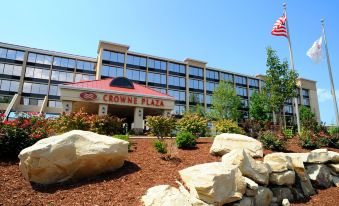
(105, 124)
(124, 137)
(334, 137)
(228, 126)
(288, 133)
(309, 140)
(194, 124)
(307, 118)
(272, 141)
(160, 146)
(161, 126)
(185, 140)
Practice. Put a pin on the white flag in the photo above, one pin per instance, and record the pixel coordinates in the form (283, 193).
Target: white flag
(315, 52)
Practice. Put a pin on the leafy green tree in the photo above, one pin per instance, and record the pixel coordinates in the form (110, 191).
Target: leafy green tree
(225, 102)
(307, 118)
(259, 107)
(280, 83)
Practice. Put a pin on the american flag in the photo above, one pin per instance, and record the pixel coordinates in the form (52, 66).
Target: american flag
(279, 28)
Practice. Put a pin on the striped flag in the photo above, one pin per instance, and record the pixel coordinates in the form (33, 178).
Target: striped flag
(279, 28)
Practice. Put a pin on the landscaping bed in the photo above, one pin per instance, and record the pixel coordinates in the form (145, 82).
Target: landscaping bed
(145, 168)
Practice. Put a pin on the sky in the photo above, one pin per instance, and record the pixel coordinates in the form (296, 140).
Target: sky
(228, 34)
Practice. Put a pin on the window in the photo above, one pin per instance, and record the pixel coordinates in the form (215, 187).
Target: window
(176, 81)
(64, 62)
(305, 92)
(9, 69)
(37, 73)
(196, 84)
(226, 77)
(196, 97)
(84, 65)
(135, 60)
(35, 88)
(212, 74)
(83, 77)
(156, 64)
(135, 75)
(54, 90)
(178, 95)
(9, 85)
(210, 86)
(195, 71)
(12, 54)
(252, 91)
(62, 76)
(113, 56)
(208, 99)
(110, 71)
(254, 82)
(178, 109)
(156, 78)
(39, 58)
(241, 91)
(177, 68)
(240, 80)
(54, 103)
(31, 101)
(288, 109)
(306, 101)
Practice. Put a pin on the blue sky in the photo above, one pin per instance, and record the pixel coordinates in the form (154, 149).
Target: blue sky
(231, 35)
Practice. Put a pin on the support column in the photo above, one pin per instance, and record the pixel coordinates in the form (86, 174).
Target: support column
(67, 106)
(138, 123)
(103, 109)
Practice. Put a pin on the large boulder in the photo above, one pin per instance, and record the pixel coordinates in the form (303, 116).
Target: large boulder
(164, 195)
(334, 167)
(302, 179)
(214, 183)
(264, 196)
(282, 193)
(75, 154)
(282, 178)
(335, 181)
(227, 142)
(255, 170)
(318, 156)
(278, 162)
(334, 156)
(320, 175)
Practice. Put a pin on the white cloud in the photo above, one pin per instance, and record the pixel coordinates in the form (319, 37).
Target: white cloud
(325, 95)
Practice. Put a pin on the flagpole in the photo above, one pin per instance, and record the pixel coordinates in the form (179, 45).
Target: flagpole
(330, 74)
(292, 67)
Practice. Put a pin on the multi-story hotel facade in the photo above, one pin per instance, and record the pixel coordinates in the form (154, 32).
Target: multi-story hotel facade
(30, 78)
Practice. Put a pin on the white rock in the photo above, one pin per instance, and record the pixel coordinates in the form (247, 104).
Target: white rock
(192, 199)
(227, 142)
(282, 178)
(334, 167)
(256, 170)
(334, 156)
(318, 156)
(214, 183)
(278, 162)
(264, 196)
(251, 184)
(320, 175)
(162, 195)
(335, 180)
(298, 160)
(285, 202)
(75, 154)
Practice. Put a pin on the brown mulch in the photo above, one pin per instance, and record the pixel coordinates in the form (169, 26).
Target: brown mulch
(145, 168)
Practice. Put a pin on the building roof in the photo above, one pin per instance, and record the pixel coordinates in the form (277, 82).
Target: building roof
(104, 84)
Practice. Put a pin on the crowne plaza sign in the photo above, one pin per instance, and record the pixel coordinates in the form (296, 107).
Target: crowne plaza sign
(121, 99)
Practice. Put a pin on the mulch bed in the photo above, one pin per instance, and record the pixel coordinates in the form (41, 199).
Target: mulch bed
(145, 168)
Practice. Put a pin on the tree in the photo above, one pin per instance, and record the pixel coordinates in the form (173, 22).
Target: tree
(307, 118)
(259, 107)
(225, 102)
(280, 83)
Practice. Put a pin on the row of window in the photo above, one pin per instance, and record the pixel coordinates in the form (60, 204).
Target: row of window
(83, 77)
(39, 102)
(156, 64)
(113, 56)
(212, 74)
(135, 75)
(9, 85)
(37, 73)
(241, 91)
(226, 77)
(54, 90)
(10, 69)
(35, 88)
(62, 76)
(12, 54)
(157, 78)
(240, 80)
(177, 68)
(136, 60)
(196, 97)
(110, 71)
(39, 58)
(210, 86)
(176, 81)
(254, 82)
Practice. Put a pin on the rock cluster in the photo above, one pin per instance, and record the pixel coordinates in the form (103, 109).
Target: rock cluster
(72, 155)
(240, 180)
